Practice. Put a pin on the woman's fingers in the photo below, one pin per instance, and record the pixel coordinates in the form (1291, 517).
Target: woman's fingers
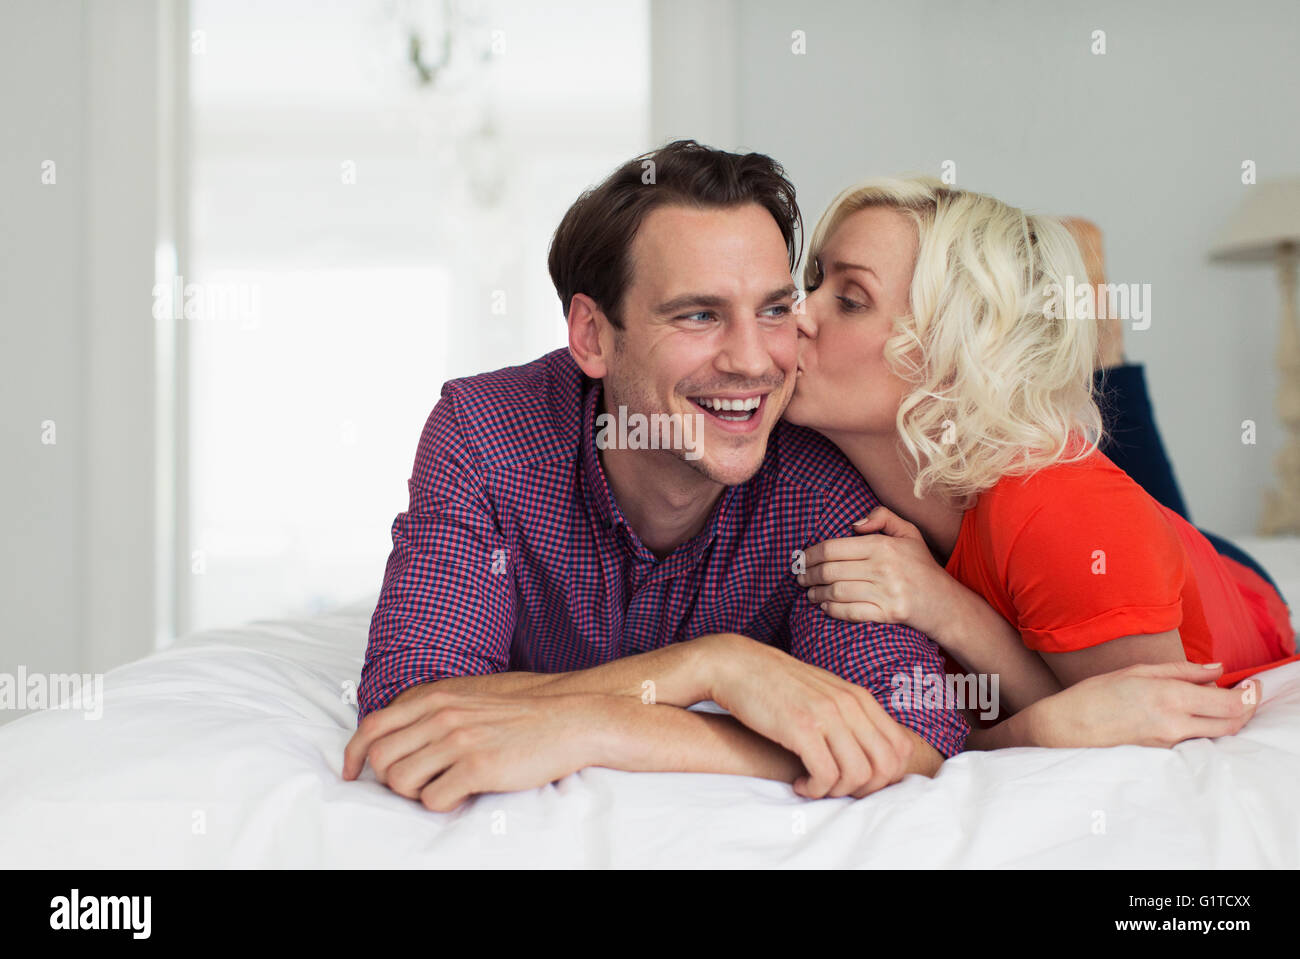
(858, 612)
(883, 520)
(1216, 703)
(837, 550)
(1189, 672)
(852, 600)
(836, 571)
(1202, 727)
(1216, 728)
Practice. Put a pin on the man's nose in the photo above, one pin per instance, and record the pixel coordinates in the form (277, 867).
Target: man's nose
(745, 351)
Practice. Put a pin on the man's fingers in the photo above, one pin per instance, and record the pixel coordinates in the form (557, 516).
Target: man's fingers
(450, 790)
(851, 756)
(388, 750)
(881, 753)
(412, 773)
(396, 715)
(375, 726)
(823, 773)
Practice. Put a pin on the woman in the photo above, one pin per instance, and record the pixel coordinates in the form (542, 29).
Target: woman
(938, 355)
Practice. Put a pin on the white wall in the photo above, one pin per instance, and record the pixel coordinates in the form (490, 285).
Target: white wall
(1147, 140)
(79, 87)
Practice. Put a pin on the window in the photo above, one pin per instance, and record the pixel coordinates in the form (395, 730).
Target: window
(358, 237)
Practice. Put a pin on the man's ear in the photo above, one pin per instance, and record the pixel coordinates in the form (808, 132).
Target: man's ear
(589, 339)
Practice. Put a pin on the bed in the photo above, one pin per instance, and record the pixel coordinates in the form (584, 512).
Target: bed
(226, 749)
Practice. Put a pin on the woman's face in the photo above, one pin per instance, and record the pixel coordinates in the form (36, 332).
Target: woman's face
(844, 386)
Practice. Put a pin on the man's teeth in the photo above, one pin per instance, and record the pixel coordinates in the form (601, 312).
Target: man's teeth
(739, 405)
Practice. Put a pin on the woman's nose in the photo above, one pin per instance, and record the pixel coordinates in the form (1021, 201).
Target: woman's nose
(804, 319)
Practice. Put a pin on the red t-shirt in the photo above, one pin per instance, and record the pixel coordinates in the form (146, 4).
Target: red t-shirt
(1078, 554)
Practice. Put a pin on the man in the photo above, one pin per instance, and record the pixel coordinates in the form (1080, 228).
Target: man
(558, 593)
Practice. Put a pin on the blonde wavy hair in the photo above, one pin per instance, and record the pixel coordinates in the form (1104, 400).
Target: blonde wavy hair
(1000, 380)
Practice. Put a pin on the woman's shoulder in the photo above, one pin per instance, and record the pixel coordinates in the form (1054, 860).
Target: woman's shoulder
(1059, 486)
(1067, 500)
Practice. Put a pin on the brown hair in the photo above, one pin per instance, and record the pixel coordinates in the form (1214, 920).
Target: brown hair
(590, 249)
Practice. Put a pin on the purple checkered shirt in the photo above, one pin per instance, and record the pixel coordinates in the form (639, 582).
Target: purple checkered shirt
(514, 555)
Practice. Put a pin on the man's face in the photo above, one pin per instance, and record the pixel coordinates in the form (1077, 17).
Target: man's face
(707, 322)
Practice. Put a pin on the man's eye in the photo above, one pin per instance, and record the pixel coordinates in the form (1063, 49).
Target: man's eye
(779, 310)
(702, 317)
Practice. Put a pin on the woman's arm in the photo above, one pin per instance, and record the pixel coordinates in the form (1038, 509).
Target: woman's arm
(891, 577)
(1147, 705)
(976, 635)
(1080, 664)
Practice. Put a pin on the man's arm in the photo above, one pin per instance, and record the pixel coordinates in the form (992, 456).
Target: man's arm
(522, 730)
(674, 675)
(442, 747)
(447, 606)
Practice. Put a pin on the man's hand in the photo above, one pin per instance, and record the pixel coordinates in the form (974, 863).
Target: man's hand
(847, 742)
(443, 747)
(1146, 705)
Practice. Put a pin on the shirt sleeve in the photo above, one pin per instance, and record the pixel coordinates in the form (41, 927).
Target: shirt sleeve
(1089, 557)
(896, 664)
(447, 605)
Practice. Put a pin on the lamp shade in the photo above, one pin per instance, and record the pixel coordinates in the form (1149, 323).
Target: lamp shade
(1268, 217)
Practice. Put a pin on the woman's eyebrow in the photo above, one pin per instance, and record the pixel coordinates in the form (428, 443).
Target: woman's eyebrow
(843, 265)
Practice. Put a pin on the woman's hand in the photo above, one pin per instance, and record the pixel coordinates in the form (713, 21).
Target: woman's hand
(1145, 705)
(890, 577)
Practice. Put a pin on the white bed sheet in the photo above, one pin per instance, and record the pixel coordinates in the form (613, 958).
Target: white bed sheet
(226, 751)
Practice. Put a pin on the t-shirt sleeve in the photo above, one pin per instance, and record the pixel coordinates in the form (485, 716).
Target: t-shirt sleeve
(1087, 556)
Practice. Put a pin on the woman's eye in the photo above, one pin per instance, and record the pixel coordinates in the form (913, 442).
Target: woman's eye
(851, 306)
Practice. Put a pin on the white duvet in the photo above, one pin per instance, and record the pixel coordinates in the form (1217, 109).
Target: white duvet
(226, 751)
